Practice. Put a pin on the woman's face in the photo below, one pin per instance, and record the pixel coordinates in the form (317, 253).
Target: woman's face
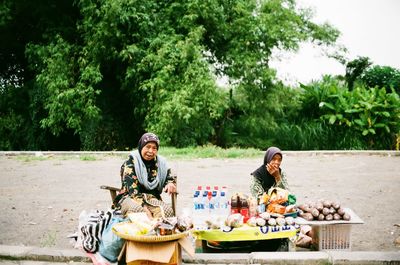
(276, 160)
(149, 151)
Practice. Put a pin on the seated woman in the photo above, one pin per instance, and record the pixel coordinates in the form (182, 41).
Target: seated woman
(269, 175)
(144, 176)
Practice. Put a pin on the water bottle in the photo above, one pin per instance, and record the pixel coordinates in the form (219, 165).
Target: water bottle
(216, 200)
(204, 206)
(212, 205)
(197, 208)
(196, 203)
(224, 205)
(196, 200)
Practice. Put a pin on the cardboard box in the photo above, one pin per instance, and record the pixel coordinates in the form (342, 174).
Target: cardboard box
(157, 253)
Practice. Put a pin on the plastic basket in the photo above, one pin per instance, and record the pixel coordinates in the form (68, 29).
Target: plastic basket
(332, 237)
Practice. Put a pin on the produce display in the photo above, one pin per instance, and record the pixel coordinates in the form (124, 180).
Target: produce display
(277, 207)
(274, 214)
(274, 208)
(266, 218)
(323, 210)
(139, 224)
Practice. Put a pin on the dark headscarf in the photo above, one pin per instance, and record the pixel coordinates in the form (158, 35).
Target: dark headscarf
(261, 173)
(148, 137)
(270, 154)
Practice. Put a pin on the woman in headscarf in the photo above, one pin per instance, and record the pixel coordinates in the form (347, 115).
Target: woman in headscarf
(269, 174)
(144, 176)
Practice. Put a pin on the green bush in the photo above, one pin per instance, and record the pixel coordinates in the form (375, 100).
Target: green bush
(330, 116)
(370, 112)
(316, 135)
(316, 92)
(382, 76)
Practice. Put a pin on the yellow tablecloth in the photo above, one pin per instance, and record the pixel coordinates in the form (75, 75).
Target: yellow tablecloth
(246, 233)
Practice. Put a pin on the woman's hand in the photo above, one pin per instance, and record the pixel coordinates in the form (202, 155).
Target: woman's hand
(273, 169)
(170, 188)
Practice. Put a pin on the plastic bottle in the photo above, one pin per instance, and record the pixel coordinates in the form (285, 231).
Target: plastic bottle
(196, 196)
(216, 200)
(213, 206)
(197, 208)
(204, 206)
(224, 205)
(244, 209)
(252, 207)
(235, 204)
(195, 203)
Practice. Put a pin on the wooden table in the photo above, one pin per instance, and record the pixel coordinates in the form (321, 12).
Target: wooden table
(244, 236)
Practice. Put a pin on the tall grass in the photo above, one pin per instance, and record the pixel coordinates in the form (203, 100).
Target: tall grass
(316, 135)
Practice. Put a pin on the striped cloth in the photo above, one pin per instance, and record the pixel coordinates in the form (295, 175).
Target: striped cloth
(93, 229)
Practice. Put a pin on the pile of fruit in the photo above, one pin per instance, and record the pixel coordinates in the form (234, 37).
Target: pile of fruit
(323, 210)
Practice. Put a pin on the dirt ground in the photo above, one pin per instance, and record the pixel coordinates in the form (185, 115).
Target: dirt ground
(41, 198)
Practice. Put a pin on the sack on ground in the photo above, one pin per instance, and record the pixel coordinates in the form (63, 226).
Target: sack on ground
(111, 244)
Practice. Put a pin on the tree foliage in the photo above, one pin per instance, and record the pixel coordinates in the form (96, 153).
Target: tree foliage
(372, 115)
(355, 69)
(382, 76)
(104, 71)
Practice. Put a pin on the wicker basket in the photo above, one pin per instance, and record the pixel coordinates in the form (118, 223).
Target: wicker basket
(121, 230)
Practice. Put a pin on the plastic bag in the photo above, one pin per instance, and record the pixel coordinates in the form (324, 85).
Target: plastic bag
(292, 199)
(276, 208)
(111, 244)
(278, 195)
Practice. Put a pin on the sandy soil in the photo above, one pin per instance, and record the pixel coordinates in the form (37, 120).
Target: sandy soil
(41, 199)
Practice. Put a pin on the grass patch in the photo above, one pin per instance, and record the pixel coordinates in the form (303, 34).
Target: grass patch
(88, 158)
(208, 151)
(28, 158)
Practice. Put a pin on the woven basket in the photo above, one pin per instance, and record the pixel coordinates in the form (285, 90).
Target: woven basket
(118, 230)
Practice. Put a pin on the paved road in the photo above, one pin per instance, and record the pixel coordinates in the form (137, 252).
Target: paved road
(42, 199)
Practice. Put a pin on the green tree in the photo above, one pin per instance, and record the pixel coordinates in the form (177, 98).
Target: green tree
(105, 71)
(22, 23)
(382, 76)
(355, 69)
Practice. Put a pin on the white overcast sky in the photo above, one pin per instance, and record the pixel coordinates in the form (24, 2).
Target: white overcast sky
(368, 28)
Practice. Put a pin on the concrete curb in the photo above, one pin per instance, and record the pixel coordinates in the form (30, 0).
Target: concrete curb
(42, 254)
(289, 153)
(19, 253)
